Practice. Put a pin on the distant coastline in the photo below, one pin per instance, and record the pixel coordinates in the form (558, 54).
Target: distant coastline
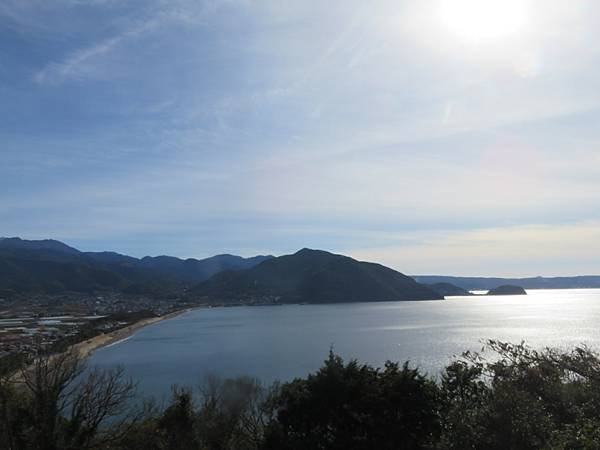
(87, 347)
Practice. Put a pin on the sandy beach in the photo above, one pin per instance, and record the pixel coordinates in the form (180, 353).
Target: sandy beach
(85, 348)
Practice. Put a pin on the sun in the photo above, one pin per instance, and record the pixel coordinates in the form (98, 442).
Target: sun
(478, 20)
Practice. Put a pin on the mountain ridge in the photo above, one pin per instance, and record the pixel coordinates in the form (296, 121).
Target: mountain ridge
(50, 266)
(314, 276)
(487, 283)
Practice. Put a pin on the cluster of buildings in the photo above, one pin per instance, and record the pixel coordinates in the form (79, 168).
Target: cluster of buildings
(26, 331)
(29, 323)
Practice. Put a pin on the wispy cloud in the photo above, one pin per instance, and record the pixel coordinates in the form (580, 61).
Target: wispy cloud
(81, 62)
(86, 62)
(274, 125)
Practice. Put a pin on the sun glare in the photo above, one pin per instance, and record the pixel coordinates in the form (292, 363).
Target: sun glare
(478, 20)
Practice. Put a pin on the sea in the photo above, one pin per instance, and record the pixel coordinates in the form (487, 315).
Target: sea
(279, 343)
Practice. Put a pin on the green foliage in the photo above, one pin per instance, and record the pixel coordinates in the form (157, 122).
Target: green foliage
(177, 424)
(226, 415)
(522, 399)
(510, 397)
(352, 406)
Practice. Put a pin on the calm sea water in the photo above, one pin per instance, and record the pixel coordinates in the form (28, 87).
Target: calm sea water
(282, 342)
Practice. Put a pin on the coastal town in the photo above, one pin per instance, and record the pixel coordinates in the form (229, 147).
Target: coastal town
(29, 323)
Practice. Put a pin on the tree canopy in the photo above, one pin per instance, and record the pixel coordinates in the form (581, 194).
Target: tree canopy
(510, 397)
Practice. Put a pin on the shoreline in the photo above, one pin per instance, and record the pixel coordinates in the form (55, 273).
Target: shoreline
(86, 348)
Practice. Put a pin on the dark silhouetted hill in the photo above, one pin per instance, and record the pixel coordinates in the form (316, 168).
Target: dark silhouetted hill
(50, 266)
(45, 245)
(484, 284)
(194, 270)
(448, 290)
(314, 276)
(507, 289)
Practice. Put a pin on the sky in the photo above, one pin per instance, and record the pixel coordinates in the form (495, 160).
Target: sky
(433, 136)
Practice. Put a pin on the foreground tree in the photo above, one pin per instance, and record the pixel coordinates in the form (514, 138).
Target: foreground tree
(516, 399)
(352, 406)
(235, 412)
(229, 414)
(522, 399)
(53, 403)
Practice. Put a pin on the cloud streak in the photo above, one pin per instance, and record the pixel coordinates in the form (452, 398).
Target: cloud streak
(84, 62)
(81, 63)
(274, 125)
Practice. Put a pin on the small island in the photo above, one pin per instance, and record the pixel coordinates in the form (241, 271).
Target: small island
(507, 289)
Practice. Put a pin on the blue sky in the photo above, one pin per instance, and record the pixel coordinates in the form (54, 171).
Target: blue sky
(390, 131)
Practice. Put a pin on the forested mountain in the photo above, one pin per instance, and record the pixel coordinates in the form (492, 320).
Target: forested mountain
(314, 276)
(49, 266)
(194, 270)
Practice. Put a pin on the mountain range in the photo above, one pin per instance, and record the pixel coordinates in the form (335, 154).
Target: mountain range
(49, 266)
(486, 283)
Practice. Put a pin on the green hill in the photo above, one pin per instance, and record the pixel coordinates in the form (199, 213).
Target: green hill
(50, 267)
(313, 276)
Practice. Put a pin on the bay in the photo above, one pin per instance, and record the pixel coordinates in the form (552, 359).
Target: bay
(283, 342)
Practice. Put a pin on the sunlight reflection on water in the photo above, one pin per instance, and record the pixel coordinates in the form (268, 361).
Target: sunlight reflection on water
(282, 342)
